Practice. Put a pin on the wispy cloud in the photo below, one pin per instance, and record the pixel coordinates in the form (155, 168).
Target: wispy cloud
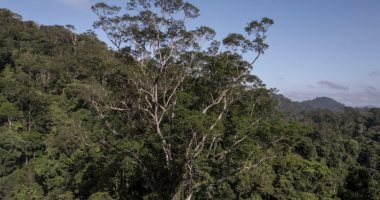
(75, 3)
(299, 95)
(374, 73)
(372, 92)
(332, 85)
(366, 95)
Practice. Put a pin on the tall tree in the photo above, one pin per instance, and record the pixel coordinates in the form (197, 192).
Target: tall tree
(184, 87)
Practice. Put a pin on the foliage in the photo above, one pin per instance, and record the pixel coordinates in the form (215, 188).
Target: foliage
(170, 113)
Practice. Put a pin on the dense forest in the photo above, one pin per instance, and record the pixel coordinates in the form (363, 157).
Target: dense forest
(167, 113)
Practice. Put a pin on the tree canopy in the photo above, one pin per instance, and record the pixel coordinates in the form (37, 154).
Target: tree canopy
(167, 113)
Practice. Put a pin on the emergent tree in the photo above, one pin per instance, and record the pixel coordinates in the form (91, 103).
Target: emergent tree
(195, 94)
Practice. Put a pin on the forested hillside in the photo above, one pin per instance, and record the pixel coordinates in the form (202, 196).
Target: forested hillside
(168, 113)
(289, 106)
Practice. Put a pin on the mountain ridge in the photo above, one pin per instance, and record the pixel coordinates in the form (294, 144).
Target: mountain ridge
(286, 104)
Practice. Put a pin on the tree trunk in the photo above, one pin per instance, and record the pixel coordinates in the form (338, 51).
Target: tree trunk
(29, 119)
(179, 192)
(165, 146)
(9, 123)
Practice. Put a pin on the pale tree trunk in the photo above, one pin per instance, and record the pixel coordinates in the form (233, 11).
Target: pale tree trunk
(165, 146)
(29, 119)
(9, 123)
(179, 193)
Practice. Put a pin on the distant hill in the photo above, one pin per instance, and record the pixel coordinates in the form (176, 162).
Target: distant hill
(324, 103)
(285, 104)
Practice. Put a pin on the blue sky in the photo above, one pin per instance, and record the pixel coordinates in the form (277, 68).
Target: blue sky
(317, 48)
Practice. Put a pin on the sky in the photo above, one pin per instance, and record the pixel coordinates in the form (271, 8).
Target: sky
(316, 48)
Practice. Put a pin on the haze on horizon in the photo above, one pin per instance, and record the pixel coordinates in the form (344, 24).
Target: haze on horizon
(319, 48)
